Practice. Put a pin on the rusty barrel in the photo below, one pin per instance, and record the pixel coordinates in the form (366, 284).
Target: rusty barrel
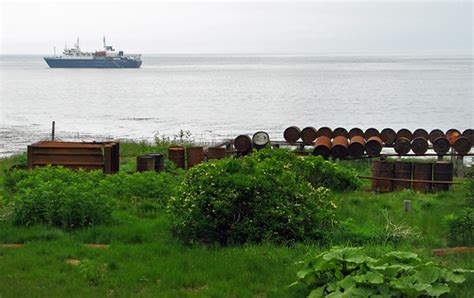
(322, 147)
(355, 132)
(388, 136)
(436, 133)
(356, 146)
(215, 153)
(145, 163)
(402, 170)
(373, 147)
(419, 145)
(176, 155)
(371, 132)
(382, 169)
(422, 171)
(308, 135)
(441, 145)
(462, 145)
(159, 161)
(404, 133)
(243, 143)
(469, 133)
(443, 171)
(324, 132)
(292, 134)
(452, 135)
(420, 132)
(260, 139)
(195, 156)
(340, 132)
(402, 146)
(339, 147)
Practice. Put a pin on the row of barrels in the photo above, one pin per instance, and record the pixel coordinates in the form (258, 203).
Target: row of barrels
(422, 177)
(188, 157)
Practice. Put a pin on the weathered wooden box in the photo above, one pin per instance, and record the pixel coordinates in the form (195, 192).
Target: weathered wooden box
(89, 156)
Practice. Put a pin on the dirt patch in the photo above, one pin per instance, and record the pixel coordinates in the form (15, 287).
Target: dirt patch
(97, 245)
(452, 250)
(11, 245)
(72, 262)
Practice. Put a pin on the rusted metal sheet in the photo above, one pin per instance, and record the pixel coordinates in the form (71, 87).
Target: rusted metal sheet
(402, 170)
(388, 136)
(382, 169)
(177, 156)
(308, 135)
(89, 156)
(215, 153)
(422, 171)
(443, 171)
(292, 134)
(195, 155)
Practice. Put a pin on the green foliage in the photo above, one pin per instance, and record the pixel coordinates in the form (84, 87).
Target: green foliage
(348, 272)
(470, 187)
(93, 272)
(460, 227)
(261, 197)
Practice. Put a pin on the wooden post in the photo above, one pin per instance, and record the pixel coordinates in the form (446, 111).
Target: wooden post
(53, 131)
(407, 205)
(30, 157)
(108, 160)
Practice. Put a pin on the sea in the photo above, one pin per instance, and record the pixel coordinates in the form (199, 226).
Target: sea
(210, 98)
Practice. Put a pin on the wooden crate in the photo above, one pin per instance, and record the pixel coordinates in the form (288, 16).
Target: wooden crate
(89, 156)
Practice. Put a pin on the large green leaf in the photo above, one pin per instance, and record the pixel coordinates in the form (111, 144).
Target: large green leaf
(428, 275)
(438, 290)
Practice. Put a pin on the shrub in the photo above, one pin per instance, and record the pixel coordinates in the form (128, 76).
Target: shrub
(256, 198)
(348, 272)
(460, 227)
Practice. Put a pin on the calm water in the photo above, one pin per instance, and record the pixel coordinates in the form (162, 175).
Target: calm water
(215, 97)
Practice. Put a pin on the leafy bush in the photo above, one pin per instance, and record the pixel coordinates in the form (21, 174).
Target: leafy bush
(256, 198)
(460, 227)
(348, 272)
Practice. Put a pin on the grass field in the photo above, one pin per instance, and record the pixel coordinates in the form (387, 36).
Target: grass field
(145, 259)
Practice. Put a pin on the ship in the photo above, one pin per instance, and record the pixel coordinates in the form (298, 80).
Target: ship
(106, 58)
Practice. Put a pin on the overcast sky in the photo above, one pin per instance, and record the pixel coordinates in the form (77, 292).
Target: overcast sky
(321, 27)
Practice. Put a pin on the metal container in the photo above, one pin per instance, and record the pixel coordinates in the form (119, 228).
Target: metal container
(324, 132)
(356, 132)
(243, 144)
(441, 145)
(145, 163)
(462, 145)
(388, 136)
(469, 133)
(308, 135)
(402, 146)
(443, 171)
(356, 146)
(195, 156)
(322, 147)
(422, 171)
(452, 134)
(292, 134)
(339, 147)
(436, 133)
(420, 132)
(74, 155)
(371, 132)
(402, 170)
(177, 156)
(382, 169)
(215, 153)
(340, 132)
(159, 161)
(260, 139)
(419, 145)
(404, 133)
(373, 147)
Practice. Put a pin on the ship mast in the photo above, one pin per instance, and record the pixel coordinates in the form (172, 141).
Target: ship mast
(104, 41)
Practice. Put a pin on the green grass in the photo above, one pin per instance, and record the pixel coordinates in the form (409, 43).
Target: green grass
(144, 258)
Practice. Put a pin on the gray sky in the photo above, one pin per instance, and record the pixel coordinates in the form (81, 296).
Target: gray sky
(322, 27)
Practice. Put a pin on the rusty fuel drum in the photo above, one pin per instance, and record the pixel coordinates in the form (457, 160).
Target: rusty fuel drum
(159, 161)
(436, 133)
(420, 132)
(443, 171)
(292, 134)
(243, 143)
(356, 147)
(373, 147)
(388, 136)
(371, 132)
(215, 153)
(405, 133)
(322, 147)
(340, 132)
(469, 133)
(452, 134)
(145, 163)
(308, 135)
(419, 145)
(462, 145)
(260, 139)
(324, 132)
(402, 146)
(176, 155)
(402, 170)
(356, 132)
(441, 145)
(422, 171)
(195, 155)
(382, 169)
(339, 147)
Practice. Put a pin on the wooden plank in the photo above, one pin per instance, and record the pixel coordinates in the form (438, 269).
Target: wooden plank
(30, 157)
(69, 164)
(68, 151)
(409, 180)
(108, 160)
(59, 159)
